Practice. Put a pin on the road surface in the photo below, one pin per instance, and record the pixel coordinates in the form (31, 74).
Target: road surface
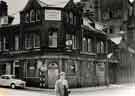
(108, 91)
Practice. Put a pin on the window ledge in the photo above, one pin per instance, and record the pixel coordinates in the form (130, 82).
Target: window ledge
(87, 53)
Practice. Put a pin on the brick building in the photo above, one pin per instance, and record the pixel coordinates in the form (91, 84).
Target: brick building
(118, 16)
(46, 38)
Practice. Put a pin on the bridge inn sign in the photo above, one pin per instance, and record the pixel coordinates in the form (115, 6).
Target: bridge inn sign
(46, 38)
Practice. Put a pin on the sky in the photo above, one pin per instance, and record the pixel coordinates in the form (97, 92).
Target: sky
(15, 6)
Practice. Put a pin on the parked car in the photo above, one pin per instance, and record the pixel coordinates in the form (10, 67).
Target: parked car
(11, 81)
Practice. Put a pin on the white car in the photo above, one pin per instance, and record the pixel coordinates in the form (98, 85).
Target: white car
(11, 81)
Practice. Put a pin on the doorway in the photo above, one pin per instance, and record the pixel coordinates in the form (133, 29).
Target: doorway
(112, 73)
(52, 75)
(17, 71)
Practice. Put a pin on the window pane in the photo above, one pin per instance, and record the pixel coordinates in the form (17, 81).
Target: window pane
(0, 45)
(102, 47)
(84, 44)
(71, 66)
(89, 45)
(6, 44)
(71, 18)
(53, 39)
(16, 42)
(38, 14)
(98, 47)
(31, 68)
(28, 41)
(26, 18)
(32, 16)
(36, 41)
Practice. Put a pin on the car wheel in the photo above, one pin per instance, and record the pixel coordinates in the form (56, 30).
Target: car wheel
(12, 86)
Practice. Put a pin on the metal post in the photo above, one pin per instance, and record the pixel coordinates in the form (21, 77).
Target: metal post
(107, 66)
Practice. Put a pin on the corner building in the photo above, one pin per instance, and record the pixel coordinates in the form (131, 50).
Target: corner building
(46, 38)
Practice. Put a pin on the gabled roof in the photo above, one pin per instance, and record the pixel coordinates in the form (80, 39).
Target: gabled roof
(56, 3)
(16, 20)
(42, 4)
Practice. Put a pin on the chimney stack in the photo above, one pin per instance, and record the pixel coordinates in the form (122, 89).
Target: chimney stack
(3, 8)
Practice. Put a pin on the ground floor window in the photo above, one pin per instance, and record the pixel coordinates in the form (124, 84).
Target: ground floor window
(2, 69)
(31, 68)
(71, 66)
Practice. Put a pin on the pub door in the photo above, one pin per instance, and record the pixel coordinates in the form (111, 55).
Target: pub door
(52, 75)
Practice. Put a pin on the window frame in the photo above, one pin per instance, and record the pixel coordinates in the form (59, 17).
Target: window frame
(32, 15)
(53, 38)
(38, 15)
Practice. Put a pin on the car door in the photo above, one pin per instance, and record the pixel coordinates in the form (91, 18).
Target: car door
(2, 80)
(7, 81)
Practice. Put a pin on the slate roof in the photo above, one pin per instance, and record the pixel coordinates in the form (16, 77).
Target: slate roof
(43, 3)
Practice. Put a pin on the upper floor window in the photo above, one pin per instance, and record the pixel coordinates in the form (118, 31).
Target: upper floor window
(16, 42)
(32, 16)
(71, 18)
(5, 44)
(74, 42)
(105, 15)
(0, 45)
(53, 14)
(53, 39)
(67, 18)
(27, 18)
(87, 44)
(100, 47)
(28, 41)
(38, 14)
(32, 41)
(84, 44)
(75, 19)
(36, 39)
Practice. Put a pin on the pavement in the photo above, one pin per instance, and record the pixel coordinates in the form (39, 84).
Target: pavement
(96, 88)
(111, 90)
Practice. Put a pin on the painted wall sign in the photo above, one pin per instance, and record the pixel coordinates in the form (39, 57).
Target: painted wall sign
(52, 15)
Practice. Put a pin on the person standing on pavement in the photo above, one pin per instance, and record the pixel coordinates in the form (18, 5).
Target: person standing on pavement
(61, 85)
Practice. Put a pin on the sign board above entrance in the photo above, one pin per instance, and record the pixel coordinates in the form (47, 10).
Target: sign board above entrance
(52, 14)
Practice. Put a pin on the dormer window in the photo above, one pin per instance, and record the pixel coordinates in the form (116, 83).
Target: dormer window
(38, 14)
(27, 18)
(32, 16)
(71, 17)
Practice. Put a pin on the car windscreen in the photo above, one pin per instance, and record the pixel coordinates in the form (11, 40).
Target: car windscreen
(13, 77)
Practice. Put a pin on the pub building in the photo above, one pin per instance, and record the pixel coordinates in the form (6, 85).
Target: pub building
(48, 37)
